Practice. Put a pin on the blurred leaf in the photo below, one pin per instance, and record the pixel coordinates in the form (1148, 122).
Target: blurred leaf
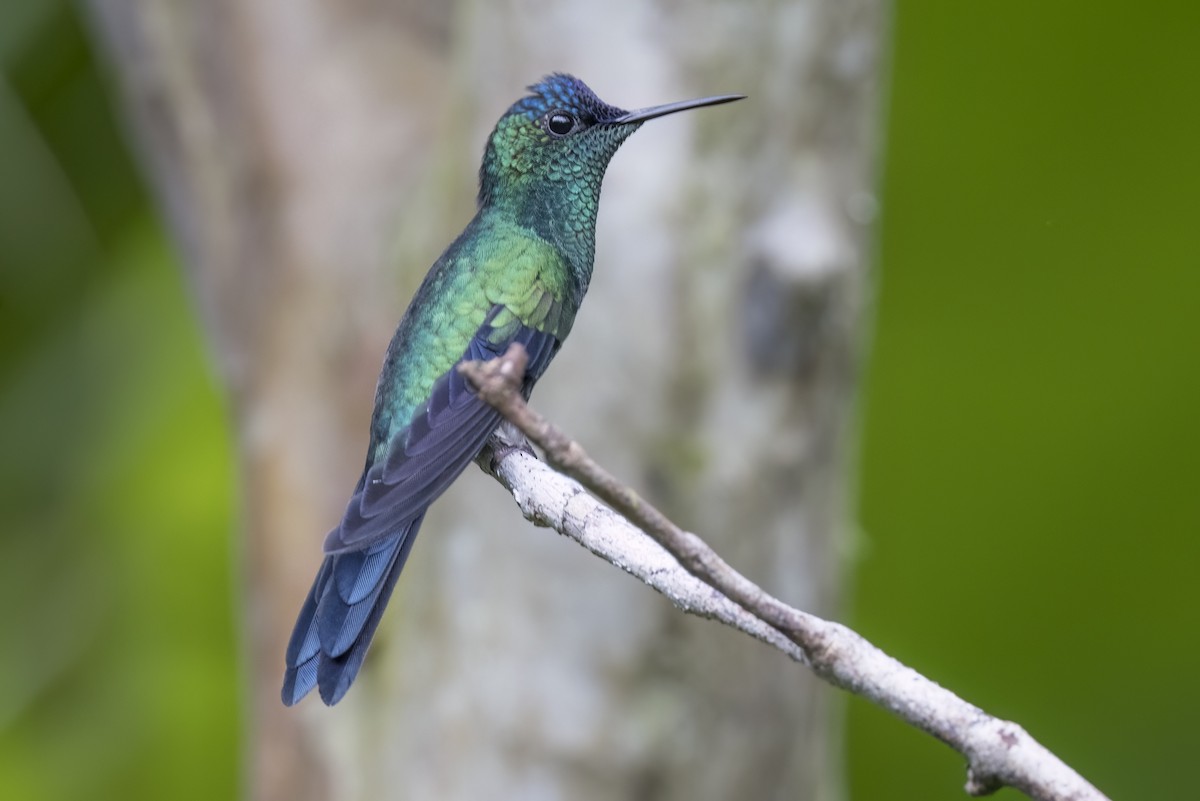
(115, 572)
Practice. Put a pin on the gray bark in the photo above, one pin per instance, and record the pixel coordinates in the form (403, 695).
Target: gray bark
(313, 158)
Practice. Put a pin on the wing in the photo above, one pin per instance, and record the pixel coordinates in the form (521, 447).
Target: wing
(445, 435)
(368, 549)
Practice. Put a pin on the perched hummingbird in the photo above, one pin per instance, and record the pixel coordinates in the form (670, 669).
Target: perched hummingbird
(517, 273)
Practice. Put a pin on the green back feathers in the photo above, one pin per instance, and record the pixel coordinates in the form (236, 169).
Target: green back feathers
(493, 263)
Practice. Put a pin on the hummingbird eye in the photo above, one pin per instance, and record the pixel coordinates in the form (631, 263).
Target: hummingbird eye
(560, 123)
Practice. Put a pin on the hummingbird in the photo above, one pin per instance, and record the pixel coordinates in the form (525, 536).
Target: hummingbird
(517, 273)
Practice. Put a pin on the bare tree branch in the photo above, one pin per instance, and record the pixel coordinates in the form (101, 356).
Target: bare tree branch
(549, 498)
(999, 753)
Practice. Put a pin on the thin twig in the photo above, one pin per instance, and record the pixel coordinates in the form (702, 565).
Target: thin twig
(999, 753)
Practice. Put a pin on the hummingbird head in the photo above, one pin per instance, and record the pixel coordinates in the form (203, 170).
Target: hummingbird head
(561, 137)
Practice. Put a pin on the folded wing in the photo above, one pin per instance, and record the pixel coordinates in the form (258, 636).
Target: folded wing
(367, 550)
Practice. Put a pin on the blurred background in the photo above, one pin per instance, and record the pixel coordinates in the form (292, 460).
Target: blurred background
(1028, 435)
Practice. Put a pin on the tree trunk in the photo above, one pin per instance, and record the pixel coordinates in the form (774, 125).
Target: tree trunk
(313, 158)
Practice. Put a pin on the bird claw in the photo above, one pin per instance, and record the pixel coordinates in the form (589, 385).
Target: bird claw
(502, 451)
(506, 441)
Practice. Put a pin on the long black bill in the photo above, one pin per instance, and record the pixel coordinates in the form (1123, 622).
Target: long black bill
(643, 114)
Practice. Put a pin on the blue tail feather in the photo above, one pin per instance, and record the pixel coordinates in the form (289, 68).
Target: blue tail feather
(340, 616)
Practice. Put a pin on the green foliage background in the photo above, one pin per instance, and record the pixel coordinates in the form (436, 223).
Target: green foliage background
(117, 671)
(1029, 497)
(1030, 473)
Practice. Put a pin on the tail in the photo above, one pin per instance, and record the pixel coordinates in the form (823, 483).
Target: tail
(340, 614)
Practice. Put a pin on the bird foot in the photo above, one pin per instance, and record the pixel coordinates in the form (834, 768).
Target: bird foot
(506, 441)
(502, 452)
